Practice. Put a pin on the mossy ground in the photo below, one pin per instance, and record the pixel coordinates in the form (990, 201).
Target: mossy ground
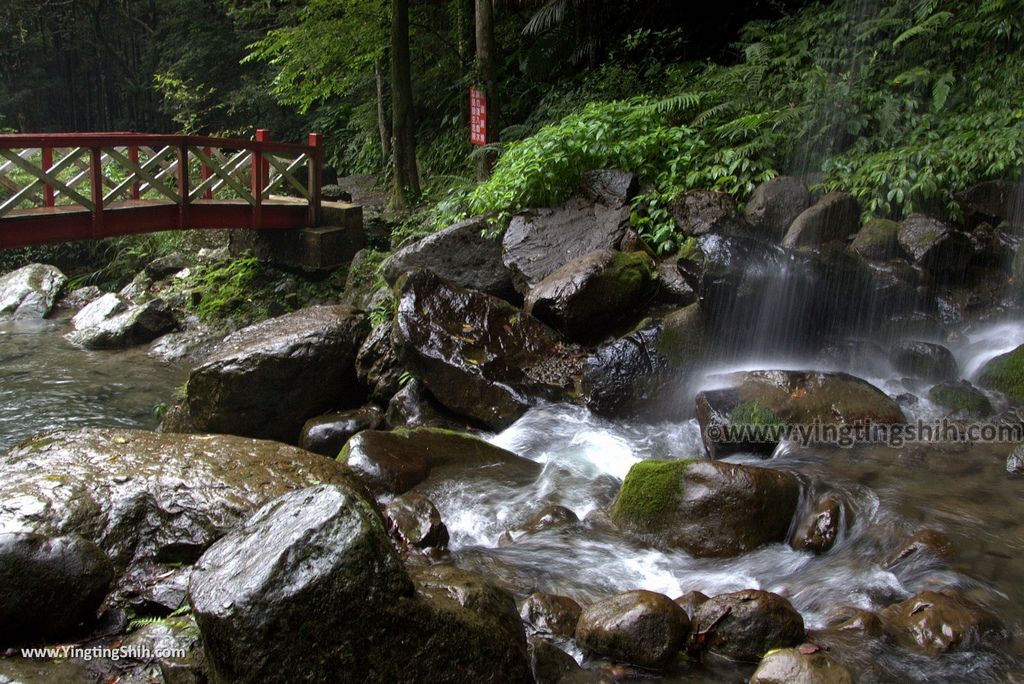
(1006, 374)
(650, 490)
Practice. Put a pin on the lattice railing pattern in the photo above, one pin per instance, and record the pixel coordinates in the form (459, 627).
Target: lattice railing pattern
(95, 172)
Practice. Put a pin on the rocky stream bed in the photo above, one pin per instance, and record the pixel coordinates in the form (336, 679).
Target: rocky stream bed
(526, 472)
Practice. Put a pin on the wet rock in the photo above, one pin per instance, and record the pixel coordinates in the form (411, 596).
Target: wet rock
(925, 545)
(744, 625)
(327, 434)
(145, 497)
(878, 239)
(699, 212)
(191, 345)
(1006, 374)
(935, 246)
(268, 379)
(611, 187)
(691, 601)
(465, 254)
(818, 528)
(178, 634)
(962, 399)
(774, 206)
(550, 614)
(417, 521)
(992, 201)
(478, 355)
(540, 241)
(30, 671)
(413, 407)
(31, 291)
(925, 360)
(548, 518)
(1015, 461)
(934, 623)
(638, 627)
(708, 508)
(319, 551)
(595, 293)
(836, 216)
(377, 364)
(111, 322)
(793, 666)
(395, 462)
(51, 585)
(855, 620)
(80, 297)
(993, 248)
(165, 266)
(548, 663)
(638, 374)
(770, 399)
(672, 287)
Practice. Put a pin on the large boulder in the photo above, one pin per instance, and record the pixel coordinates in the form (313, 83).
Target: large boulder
(993, 202)
(637, 375)
(961, 399)
(836, 216)
(463, 254)
(638, 627)
(316, 565)
(878, 239)
(774, 206)
(611, 187)
(112, 321)
(708, 508)
(146, 497)
(30, 291)
(595, 293)
(1006, 374)
(267, 379)
(538, 242)
(50, 585)
(744, 625)
(926, 360)
(394, 462)
(938, 248)
(413, 406)
(477, 354)
(793, 666)
(699, 212)
(934, 623)
(377, 364)
(751, 409)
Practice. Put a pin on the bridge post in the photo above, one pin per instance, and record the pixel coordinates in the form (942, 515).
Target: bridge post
(258, 178)
(208, 194)
(315, 167)
(133, 155)
(48, 195)
(96, 181)
(183, 189)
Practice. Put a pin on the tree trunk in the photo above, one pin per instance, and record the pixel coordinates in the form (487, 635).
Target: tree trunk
(406, 175)
(383, 116)
(488, 73)
(467, 37)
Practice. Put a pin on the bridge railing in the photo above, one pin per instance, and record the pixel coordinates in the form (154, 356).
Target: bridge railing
(97, 172)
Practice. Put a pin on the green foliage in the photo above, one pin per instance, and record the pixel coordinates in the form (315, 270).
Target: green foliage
(230, 288)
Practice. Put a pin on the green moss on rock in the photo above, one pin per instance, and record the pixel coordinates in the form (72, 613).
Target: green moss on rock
(961, 398)
(1006, 374)
(753, 413)
(650, 490)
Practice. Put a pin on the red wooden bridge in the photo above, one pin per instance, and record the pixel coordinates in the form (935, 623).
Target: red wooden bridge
(72, 186)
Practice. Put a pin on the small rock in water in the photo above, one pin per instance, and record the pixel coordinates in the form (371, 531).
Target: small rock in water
(544, 613)
(30, 291)
(795, 666)
(638, 627)
(935, 623)
(818, 529)
(417, 521)
(744, 625)
(691, 601)
(51, 585)
(924, 545)
(327, 434)
(1015, 461)
(548, 663)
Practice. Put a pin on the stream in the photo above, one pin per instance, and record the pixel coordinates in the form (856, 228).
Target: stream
(961, 490)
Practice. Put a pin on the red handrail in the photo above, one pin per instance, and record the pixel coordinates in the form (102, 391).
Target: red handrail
(16, 140)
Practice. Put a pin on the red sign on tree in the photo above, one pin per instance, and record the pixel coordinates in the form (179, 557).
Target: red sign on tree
(477, 117)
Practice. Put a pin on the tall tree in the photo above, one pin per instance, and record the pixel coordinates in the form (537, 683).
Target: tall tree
(406, 187)
(488, 73)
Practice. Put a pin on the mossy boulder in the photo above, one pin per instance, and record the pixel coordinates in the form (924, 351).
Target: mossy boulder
(1006, 374)
(592, 295)
(878, 239)
(708, 508)
(962, 399)
(394, 462)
